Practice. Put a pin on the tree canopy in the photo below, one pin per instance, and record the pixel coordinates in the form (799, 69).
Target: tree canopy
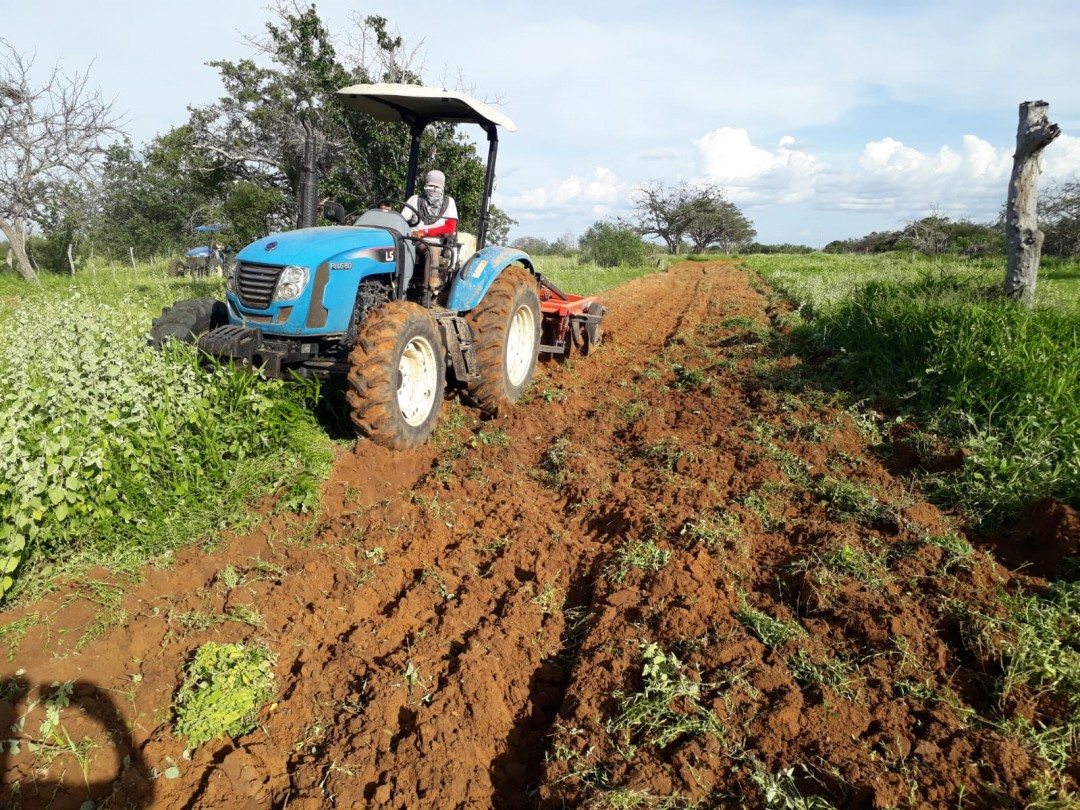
(237, 161)
(611, 244)
(255, 133)
(703, 214)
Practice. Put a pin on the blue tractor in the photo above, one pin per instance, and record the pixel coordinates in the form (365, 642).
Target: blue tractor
(398, 318)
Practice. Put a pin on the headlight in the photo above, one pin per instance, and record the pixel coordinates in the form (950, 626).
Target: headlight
(291, 284)
(230, 277)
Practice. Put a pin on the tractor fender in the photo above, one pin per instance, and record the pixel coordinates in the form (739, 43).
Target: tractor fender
(483, 267)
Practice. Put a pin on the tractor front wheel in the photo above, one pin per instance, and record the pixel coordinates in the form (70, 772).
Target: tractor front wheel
(188, 320)
(506, 335)
(397, 373)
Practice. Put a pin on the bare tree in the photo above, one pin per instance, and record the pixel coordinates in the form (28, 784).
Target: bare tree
(1025, 240)
(383, 55)
(928, 235)
(50, 134)
(1059, 213)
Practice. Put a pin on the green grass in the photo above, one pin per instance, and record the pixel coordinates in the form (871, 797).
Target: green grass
(668, 706)
(935, 342)
(111, 453)
(773, 632)
(583, 278)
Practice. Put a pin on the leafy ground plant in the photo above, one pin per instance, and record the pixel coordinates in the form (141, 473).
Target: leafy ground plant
(669, 704)
(111, 452)
(224, 688)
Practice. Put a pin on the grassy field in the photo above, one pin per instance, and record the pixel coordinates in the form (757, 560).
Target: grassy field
(933, 341)
(582, 278)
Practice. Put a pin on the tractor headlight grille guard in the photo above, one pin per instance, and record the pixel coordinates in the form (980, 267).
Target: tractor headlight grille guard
(255, 283)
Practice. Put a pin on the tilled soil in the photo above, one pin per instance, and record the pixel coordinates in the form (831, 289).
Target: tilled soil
(466, 625)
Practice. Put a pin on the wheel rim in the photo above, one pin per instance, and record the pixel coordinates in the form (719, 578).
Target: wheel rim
(520, 345)
(417, 381)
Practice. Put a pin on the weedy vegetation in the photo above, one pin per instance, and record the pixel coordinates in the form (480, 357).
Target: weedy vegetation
(937, 341)
(224, 688)
(668, 706)
(112, 453)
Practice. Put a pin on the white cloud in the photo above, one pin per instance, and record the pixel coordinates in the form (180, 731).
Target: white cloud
(595, 196)
(1061, 159)
(751, 174)
(969, 180)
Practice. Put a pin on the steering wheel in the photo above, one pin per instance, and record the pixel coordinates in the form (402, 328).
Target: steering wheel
(395, 201)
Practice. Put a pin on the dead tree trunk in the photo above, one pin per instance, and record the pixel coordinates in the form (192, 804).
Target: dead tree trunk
(1034, 134)
(16, 236)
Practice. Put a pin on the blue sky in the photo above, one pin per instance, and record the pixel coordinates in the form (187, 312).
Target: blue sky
(822, 120)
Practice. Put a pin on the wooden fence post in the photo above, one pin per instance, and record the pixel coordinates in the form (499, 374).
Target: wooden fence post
(1022, 233)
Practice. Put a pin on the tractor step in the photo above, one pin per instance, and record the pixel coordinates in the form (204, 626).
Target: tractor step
(457, 337)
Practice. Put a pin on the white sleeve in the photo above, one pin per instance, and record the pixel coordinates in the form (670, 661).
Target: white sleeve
(410, 217)
(451, 210)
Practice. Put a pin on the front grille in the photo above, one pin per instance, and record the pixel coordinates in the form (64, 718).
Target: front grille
(255, 284)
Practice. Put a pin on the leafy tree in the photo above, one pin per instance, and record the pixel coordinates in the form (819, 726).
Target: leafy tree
(51, 136)
(534, 245)
(499, 225)
(611, 244)
(66, 218)
(256, 132)
(151, 202)
(786, 247)
(701, 213)
(711, 219)
(875, 242)
(249, 212)
(932, 235)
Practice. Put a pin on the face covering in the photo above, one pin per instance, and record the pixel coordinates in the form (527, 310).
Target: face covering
(432, 204)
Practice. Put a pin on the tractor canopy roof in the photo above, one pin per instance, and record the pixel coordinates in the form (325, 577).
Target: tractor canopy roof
(416, 104)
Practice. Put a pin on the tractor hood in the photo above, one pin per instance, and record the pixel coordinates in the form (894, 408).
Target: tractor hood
(320, 269)
(309, 247)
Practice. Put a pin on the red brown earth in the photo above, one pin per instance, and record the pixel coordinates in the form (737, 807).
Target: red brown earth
(462, 626)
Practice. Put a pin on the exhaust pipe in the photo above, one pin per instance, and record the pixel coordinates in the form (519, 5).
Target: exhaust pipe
(309, 179)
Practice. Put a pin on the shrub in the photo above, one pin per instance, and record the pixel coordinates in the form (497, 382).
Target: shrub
(612, 245)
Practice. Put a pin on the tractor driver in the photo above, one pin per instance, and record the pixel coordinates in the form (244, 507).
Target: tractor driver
(437, 209)
(438, 216)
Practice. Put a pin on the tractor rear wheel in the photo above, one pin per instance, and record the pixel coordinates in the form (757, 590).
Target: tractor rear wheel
(506, 336)
(397, 375)
(188, 320)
